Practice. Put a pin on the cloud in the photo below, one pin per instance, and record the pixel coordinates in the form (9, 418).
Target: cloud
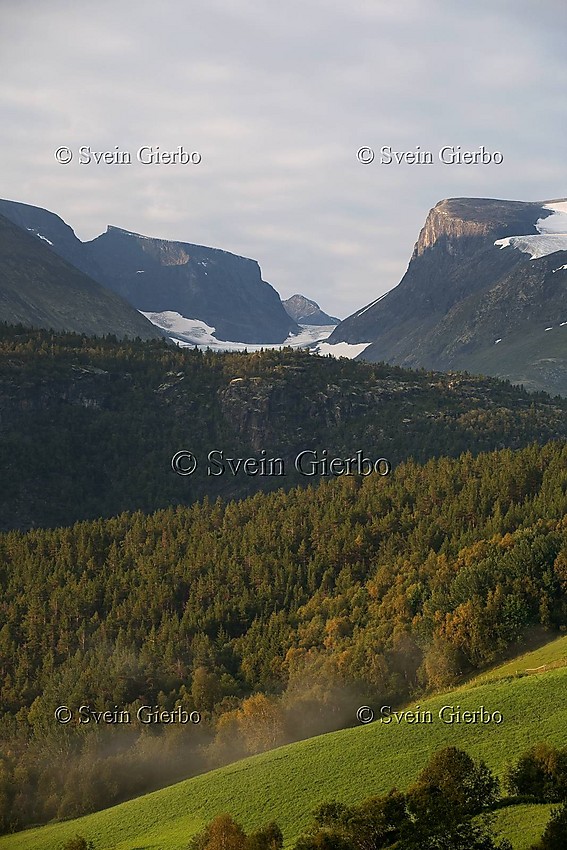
(278, 98)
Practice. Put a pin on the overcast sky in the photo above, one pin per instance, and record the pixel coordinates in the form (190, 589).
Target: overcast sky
(278, 97)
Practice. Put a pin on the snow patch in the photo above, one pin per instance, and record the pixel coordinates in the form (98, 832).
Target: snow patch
(36, 233)
(140, 271)
(173, 322)
(496, 341)
(552, 234)
(535, 246)
(342, 349)
(193, 332)
(556, 223)
(560, 269)
(310, 334)
(549, 329)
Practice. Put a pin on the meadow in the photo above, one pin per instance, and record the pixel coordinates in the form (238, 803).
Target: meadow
(287, 783)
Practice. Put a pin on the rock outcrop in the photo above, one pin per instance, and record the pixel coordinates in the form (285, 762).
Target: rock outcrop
(455, 219)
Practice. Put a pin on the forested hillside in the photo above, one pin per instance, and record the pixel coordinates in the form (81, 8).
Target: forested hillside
(273, 616)
(88, 427)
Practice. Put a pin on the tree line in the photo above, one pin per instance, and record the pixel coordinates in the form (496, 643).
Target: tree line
(89, 426)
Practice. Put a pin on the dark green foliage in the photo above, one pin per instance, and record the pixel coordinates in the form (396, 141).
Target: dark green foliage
(89, 426)
(331, 814)
(268, 837)
(453, 780)
(436, 814)
(377, 822)
(325, 839)
(467, 835)
(540, 773)
(555, 834)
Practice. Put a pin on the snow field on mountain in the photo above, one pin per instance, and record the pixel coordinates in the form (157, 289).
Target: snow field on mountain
(552, 234)
(193, 332)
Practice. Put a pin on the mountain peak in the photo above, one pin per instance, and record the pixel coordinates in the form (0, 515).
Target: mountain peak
(307, 312)
(485, 291)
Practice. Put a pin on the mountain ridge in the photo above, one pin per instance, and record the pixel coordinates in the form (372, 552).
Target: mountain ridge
(223, 289)
(463, 294)
(38, 288)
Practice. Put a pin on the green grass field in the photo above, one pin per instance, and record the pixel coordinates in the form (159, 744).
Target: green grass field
(522, 825)
(554, 652)
(287, 783)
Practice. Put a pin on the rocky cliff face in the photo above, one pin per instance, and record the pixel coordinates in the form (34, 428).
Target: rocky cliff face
(456, 219)
(87, 387)
(261, 409)
(221, 289)
(465, 303)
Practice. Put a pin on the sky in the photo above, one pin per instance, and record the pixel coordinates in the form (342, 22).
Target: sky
(277, 98)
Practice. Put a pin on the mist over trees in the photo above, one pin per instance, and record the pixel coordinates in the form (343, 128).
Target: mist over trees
(272, 617)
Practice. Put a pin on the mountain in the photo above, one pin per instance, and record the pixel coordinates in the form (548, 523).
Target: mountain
(157, 276)
(52, 231)
(485, 291)
(306, 312)
(42, 290)
(221, 289)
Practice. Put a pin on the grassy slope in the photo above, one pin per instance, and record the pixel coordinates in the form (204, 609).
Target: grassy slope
(523, 825)
(286, 784)
(554, 652)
